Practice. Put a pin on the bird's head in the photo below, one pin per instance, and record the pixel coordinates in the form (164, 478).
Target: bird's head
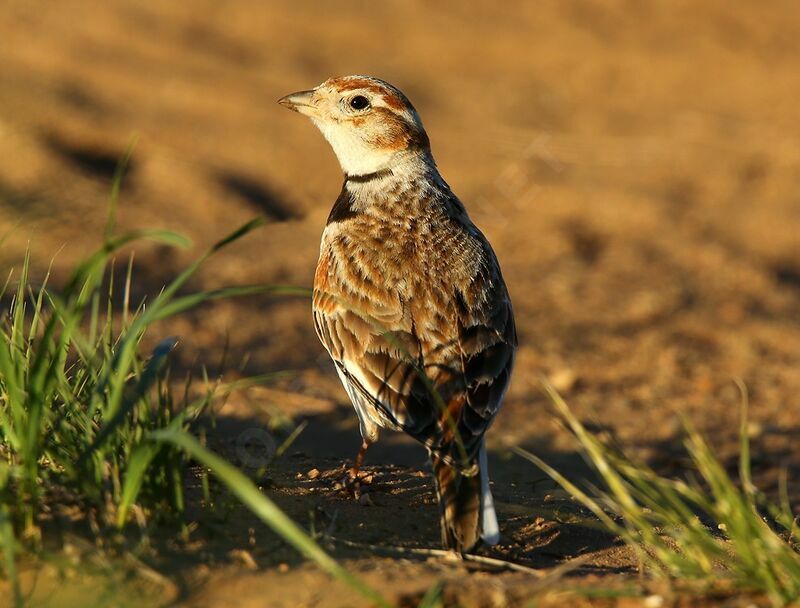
(370, 124)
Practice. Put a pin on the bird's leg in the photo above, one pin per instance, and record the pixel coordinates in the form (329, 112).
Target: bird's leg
(359, 459)
(352, 484)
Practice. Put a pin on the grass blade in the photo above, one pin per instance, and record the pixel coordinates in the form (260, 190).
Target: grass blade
(138, 463)
(660, 516)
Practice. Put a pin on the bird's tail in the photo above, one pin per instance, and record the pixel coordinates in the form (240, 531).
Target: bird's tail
(465, 504)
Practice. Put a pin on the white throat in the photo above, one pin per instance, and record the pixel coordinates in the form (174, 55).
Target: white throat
(358, 157)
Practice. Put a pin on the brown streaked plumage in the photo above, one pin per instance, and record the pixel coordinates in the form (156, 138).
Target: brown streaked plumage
(408, 297)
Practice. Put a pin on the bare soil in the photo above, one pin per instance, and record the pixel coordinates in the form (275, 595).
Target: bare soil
(636, 166)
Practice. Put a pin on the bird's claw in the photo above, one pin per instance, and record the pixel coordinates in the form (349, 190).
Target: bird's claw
(351, 484)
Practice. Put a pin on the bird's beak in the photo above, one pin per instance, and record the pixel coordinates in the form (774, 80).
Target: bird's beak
(302, 102)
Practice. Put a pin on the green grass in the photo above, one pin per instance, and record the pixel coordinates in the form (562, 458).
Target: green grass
(87, 416)
(711, 529)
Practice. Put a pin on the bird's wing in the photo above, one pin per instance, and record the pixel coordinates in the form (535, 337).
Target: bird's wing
(487, 340)
(434, 362)
(370, 338)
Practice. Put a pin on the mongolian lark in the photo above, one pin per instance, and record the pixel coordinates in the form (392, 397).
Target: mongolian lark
(408, 297)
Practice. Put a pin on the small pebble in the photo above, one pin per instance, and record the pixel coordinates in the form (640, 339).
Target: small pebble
(754, 429)
(653, 601)
(563, 379)
(313, 473)
(245, 557)
(283, 568)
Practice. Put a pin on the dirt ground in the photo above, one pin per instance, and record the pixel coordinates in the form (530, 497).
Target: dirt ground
(636, 166)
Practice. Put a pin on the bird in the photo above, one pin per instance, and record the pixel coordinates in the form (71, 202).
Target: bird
(409, 299)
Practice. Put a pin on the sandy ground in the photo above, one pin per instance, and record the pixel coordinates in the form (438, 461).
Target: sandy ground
(635, 165)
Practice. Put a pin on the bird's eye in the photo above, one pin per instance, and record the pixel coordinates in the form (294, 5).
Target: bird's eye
(359, 102)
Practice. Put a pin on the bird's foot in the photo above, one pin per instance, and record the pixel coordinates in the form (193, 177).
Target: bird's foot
(353, 482)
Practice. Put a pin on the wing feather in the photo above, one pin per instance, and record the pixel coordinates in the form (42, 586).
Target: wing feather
(396, 336)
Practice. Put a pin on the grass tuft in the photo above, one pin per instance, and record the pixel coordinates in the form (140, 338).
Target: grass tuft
(711, 529)
(88, 418)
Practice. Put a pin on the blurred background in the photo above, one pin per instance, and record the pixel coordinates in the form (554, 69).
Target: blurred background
(636, 166)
